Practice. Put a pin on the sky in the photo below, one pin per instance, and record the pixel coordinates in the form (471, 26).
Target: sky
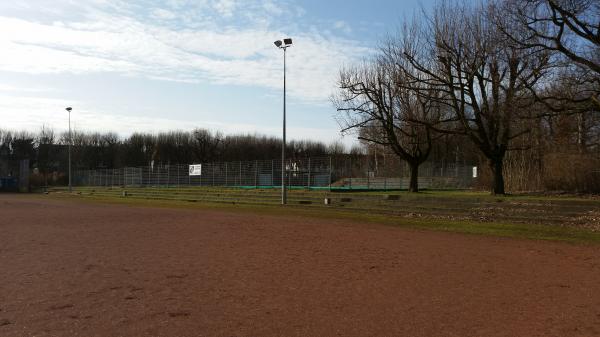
(150, 66)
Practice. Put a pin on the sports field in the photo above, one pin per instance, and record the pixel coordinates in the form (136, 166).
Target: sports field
(86, 268)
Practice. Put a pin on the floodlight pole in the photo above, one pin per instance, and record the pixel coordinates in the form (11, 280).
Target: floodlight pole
(283, 45)
(70, 141)
(283, 170)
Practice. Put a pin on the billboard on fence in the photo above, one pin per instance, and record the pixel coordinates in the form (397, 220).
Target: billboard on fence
(196, 170)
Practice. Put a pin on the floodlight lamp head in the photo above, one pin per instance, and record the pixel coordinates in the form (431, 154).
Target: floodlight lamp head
(278, 43)
(288, 42)
(69, 109)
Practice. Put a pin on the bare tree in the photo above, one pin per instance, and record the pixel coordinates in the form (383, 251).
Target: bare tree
(379, 99)
(484, 77)
(570, 28)
(206, 144)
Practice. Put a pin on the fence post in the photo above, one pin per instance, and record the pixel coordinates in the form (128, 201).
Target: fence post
(240, 184)
(200, 177)
(351, 173)
(226, 174)
(272, 173)
(213, 174)
(255, 173)
(308, 183)
(330, 168)
(168, 174)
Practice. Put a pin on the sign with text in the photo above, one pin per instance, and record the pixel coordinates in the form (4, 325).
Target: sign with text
(196, 170)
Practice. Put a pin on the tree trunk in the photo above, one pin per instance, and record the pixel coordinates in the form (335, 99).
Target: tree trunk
(497, 167)
(414, 178)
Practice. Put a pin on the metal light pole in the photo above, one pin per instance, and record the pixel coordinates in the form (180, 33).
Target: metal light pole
(70, 141)
(283, 45)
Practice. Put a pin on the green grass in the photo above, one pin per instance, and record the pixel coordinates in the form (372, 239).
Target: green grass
(468, 194)
(426, 193)
(501, 229)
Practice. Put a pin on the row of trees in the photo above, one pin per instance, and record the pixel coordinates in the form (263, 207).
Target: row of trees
(47, 150)
(503, 75)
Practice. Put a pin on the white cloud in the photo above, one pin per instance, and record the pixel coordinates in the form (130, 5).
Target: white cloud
(109, 42)
(272, 8)
(17, 89)
(225, 7)
(28, 113)
(200, 41)
(163, 14)
(343, 26)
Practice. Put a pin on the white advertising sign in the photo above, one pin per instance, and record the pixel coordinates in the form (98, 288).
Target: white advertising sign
(196, 170)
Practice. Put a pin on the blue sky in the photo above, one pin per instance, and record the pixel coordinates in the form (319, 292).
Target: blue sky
(143, 65)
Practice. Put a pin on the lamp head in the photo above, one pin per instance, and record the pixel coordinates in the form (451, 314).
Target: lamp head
(278, 43)
(69, 109)
(288, 42)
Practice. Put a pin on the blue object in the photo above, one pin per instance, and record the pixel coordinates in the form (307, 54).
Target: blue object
(8, 184)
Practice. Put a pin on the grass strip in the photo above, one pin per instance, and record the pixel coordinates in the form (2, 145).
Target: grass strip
(499, 229)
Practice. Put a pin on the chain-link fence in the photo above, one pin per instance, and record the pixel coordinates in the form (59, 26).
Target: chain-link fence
(14, 175)
(339, 172)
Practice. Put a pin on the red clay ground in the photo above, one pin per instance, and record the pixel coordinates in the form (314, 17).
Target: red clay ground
(70, 268)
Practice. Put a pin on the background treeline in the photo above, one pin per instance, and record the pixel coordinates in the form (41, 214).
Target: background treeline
(516, 81)
(48, 150)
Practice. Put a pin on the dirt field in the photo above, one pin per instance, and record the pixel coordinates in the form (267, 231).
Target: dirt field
(70, 268)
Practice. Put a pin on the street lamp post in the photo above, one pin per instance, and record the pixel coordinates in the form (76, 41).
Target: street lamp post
(284, 46)
(70, 141)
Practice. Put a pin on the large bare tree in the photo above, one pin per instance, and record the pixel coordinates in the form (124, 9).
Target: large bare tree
(484, 77)
(378, 100)
(570, 28)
